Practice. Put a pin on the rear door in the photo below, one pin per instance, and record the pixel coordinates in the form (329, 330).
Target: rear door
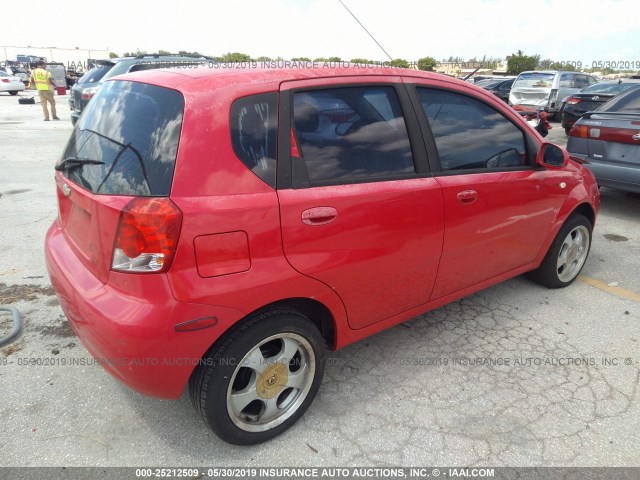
(498, 205)
(359, 209)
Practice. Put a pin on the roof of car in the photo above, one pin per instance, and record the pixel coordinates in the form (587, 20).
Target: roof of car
(216, 75)
(620, 80)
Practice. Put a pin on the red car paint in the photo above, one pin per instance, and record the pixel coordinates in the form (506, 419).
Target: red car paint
(379, 253)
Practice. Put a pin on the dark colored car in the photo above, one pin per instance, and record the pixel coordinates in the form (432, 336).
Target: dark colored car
(226, 228)
(591, 98)
(608, 141)
(85, 88)
(500, 88)
(80, 95)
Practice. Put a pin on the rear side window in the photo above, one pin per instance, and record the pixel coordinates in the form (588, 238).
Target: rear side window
(352, 134)
(568, 80)
(470, 134)
(254, 123)
(126, 141)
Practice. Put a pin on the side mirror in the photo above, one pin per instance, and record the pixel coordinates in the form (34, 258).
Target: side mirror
(552, 156)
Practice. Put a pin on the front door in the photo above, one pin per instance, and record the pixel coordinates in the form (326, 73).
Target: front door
(499, 207)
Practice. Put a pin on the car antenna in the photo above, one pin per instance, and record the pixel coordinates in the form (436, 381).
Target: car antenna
(360, 23)
(474, 72)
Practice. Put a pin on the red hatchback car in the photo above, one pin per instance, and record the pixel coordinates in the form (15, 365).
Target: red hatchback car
(226, 229)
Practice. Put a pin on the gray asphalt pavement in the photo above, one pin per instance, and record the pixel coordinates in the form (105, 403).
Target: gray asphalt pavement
(516, 375)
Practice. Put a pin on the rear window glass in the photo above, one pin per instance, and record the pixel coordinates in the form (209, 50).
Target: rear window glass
(534, 80)
(628, 101)
(613, 87)
(129, 132)
(254, 122)
(94, 75)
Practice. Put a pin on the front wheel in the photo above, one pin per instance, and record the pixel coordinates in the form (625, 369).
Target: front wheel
(567, 254)
(261, 379)
(13, 92)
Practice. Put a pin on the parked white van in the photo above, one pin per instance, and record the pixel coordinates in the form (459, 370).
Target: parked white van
(547, 89)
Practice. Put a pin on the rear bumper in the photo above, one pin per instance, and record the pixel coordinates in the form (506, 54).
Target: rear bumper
(625, 178)
(128, 324)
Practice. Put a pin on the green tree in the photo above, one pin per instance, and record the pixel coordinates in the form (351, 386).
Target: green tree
(545, 64)
(235, 57)
(263, 58)
(400, 63)
(113, 55)
(301, 59)
(520, 62)
(321, 59)
(561, 66)
(427, 63)
(163, 52)
(334, 59)
(189, 54)
(360, 60)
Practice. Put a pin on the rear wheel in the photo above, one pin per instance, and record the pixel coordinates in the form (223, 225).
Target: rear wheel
(261, 379)
(567, 254)
(14, 92)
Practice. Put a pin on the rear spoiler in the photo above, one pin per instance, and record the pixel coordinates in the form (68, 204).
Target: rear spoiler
(615, 114)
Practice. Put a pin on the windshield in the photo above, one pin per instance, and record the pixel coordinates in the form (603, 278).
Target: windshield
(126, 140)
(534, 80)
(613, 87)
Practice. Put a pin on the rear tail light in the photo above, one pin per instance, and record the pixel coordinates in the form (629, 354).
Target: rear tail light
(88, 93)
(573, 101)
(147, 236)
(580, 131)
(5, 80)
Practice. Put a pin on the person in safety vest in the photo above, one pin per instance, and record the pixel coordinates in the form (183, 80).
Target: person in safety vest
(45, 85)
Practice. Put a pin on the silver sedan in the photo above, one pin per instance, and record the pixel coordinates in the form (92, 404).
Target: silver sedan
(10, 83)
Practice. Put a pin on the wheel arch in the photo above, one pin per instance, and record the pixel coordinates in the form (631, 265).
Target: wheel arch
(317, 313)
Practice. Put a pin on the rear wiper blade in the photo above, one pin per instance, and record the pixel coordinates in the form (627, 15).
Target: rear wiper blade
(76, 162)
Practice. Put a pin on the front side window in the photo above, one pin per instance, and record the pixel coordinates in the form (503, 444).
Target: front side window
(470, 134)
(352, 134)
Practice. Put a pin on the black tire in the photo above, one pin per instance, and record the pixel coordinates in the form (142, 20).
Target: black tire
(567, 130)
(14, 92)
(558, 115)
(228, 369)
(573, 241)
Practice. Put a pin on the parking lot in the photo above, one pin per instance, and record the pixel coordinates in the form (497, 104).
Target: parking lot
(516, 375)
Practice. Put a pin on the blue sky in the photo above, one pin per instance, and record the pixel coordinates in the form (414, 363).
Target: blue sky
(586, 31)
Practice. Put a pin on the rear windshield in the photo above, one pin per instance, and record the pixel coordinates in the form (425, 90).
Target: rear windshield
(534, 80)
(95, 74)
(126, 141)
(628, 101)
(613, 87)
